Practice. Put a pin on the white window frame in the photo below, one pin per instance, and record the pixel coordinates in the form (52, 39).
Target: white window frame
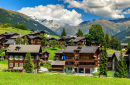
(20, 57)
(10, 63)
(11, 57)
(16, 64)
(17, 57)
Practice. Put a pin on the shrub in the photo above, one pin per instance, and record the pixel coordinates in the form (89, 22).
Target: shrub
(17, 70)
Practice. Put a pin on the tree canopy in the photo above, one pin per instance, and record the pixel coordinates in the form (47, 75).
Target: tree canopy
(63, 33)
(121, 67)
(71, 43)
(96, 33)
(25, 41)
(115, 43)
(129, 45)
(19, 40)
(20, 26)
(107, 38)
(28, 66)
(79, 33)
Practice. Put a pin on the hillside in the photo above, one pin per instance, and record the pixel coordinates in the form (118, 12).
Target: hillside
(13, 17)
(11, 29)
(124, 36)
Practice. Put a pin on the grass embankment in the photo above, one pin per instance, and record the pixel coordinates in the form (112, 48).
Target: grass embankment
(110, 51)
(8, 78)
(51, 51)
(3, 65)
(11, 29)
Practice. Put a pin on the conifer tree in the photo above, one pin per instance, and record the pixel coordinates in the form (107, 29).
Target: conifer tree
(71, 43)
(128, 44)
(25, 41)
(28, 66)
(19, 40)
(63, 33)
(121, 67)
(79, 33)
(103, 62)
(107, 38)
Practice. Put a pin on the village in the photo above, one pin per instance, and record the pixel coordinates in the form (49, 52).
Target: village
(82, 58)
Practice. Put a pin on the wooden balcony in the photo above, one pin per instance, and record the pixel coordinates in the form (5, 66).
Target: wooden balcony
(87, 66)
(70, 60)
(86, 60)
(71, 65)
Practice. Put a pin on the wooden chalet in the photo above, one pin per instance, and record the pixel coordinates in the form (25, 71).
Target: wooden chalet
(16, 36)
(109, 63)
(81, 59)
(61, 41)
(49, 39)
(34, 40)
(124, 45)
(44, 55)
(115, 58)
(78, 41)
(58, 66)
(9, 42)
(2, 40)
(128, 53)
(59, 56)
(8, 35)
(36, 33)
(67, 38)
(17, 53)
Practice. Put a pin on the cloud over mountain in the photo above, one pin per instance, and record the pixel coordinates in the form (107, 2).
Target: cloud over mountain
(53, 12)
(106, 8)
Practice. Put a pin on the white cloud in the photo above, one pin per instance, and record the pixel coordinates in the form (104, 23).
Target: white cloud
(53, 12)
(106, 8)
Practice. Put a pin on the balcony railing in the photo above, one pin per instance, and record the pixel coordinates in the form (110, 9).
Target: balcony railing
(69, 65)
(86, 60)
(69, 60)
(87, 66)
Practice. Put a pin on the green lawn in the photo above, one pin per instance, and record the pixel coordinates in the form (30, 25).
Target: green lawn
(8, 78)
(51, 51)
(110, 51)
(10, 29)
(4, 62)
(3, 65)
(54, 36)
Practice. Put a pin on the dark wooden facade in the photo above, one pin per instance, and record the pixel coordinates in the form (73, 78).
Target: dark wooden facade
(44, 56)
(36, 33)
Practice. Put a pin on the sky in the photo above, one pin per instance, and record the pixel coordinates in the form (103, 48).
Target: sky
(71, 12)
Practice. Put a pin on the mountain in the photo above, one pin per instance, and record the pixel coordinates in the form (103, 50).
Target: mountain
(52, 24)
(124, 36)
(13, 17)
(120, 20)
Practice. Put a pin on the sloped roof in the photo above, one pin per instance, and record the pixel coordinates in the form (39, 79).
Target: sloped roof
(58, 63)
(9, 33)
(10, 41)
(124, 44)
(59, 51)
(86, 49)
(109, 55)
(24, 48)
(17, 36)
(35, 32)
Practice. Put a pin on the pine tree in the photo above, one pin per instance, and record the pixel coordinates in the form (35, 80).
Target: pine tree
(63, 33)
(103, 62)
(121, 67)
(128, 44)
(19, 40)
(71, 43)
(115, 43)
(28, 66)
(54, 44)
(25, 41)
(79, 33)
(107, 39)
(43, 41)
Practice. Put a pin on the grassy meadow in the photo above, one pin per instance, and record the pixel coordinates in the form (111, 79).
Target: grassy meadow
(10, 78)
(11, 29)
(110, 51)
(3, 65)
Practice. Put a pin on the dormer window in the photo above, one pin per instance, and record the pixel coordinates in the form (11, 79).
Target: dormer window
(17, 48)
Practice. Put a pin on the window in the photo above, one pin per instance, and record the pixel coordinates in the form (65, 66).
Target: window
(16, 64)
(69, 57)
(11, 57)
(21, 57)
(16, 57)
(32, 57)
(84, 57)
(69, 68)
(37, 58)
(10, 64)
(21, 64)
(36, 64)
